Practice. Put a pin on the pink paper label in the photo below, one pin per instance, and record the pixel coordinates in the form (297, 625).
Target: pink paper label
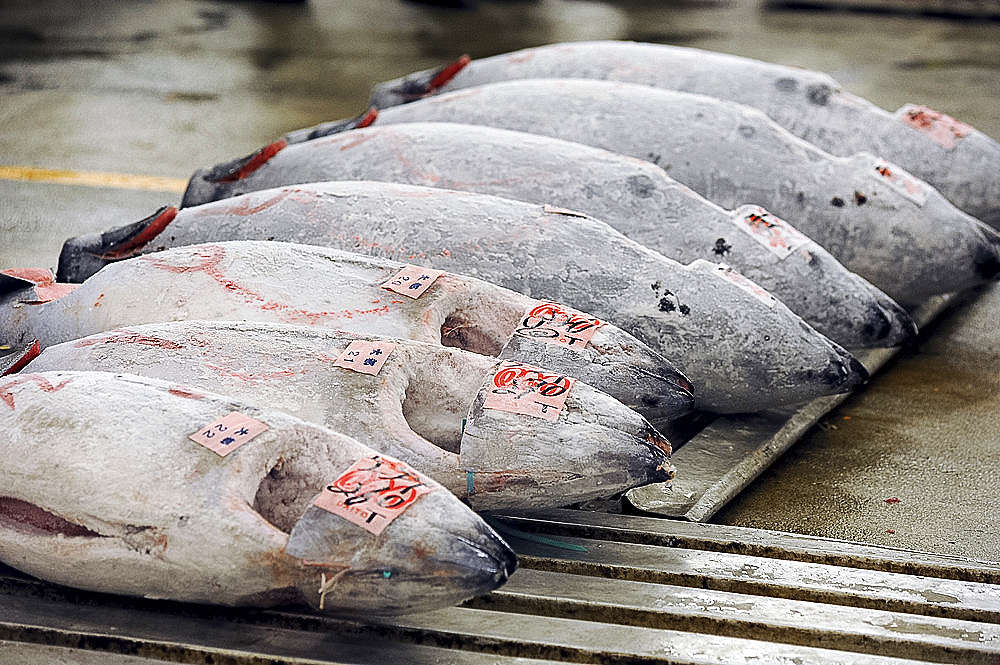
(942, 129)
(772, 232)
(746, 284)
(557, 324)
(228, 433)
(412, 281)
(373, 492)
(365, 357)
(520, 388)
(900, 180)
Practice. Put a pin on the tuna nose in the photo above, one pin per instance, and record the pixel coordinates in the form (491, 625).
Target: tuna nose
(498, 561)
(847, 372)
(655, 466)
(988, 255)
(670, 396)
(890, 324)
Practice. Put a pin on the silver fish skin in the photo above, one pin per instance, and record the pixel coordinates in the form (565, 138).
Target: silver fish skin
(743, 351)
(635, 197)
(310, 285)
(960, 161)
(732, 154)
(418, 408)
(104, 490)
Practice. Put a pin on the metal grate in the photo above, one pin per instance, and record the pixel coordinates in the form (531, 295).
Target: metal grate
(592, 588)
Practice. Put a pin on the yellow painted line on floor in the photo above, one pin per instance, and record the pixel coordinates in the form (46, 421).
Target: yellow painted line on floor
(93, 179)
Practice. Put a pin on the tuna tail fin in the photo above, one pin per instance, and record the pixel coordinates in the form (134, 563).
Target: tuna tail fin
(417, 85)
(83, 256)
(9, 283)
(213, 183)
(15, 361)
(330, 128)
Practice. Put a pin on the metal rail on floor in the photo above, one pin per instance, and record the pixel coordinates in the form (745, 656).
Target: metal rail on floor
(592, 588)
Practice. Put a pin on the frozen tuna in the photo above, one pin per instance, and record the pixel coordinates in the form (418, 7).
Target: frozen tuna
(960, 161)
(128, 485)
(742, 349)
(635, 197)
(410, 400)
(874, 217)
(309, 285)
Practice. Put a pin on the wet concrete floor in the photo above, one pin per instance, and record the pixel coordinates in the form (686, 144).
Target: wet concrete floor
(103, 91)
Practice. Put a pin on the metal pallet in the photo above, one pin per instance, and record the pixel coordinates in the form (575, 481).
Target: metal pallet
(592, 588)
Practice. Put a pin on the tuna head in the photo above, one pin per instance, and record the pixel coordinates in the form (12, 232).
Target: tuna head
(560, 438)
(648, 384)
(429, 562)
(129, 495)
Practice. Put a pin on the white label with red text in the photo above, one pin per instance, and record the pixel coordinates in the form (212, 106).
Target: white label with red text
(373, 492)
(748, 285)
(555, 323)
(520, 388)
(900, 180)
(770, 231)
(942, 129)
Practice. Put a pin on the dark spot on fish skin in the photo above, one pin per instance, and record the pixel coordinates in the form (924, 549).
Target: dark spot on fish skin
(800, 198)
(837, 201)
(655, 286)
(721, 247)
(640, 185)
(860, 198)
(819, 94)
(747, 131)
(654, 158)
(786, 85)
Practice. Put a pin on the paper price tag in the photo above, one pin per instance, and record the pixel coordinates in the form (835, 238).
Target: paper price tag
(751, 287)
(942, 129)
(519, 388)
(772, 232)
(373, 492)
(365, 357)
(228, 433)
(557, 324)
(412, 281)
(900, 180)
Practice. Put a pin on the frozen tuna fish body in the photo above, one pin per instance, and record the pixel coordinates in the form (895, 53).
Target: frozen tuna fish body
(412, 402)
(312, 285)
(733, 154)
(635, 197)
(958, 160)
(104, 489)
(687, 316)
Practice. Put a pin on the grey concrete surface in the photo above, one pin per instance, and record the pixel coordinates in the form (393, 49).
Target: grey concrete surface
(160, 88)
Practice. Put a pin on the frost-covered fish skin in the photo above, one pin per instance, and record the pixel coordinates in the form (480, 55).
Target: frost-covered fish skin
(743, 351)
(310, 285)
(635, 197)
(103, 489)
(418, 408)
(960, 161)
(854, 206)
